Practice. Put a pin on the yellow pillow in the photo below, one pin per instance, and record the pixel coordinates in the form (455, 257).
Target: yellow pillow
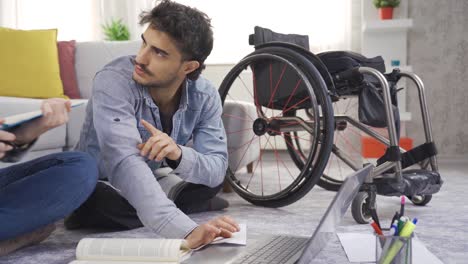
(29, 65)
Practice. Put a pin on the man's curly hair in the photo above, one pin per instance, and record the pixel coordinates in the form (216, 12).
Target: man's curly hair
(189, 27)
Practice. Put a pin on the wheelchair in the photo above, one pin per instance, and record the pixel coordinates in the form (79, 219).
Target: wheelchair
(303, 104)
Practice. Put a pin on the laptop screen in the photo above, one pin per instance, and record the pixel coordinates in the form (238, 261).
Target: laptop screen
(326, 229)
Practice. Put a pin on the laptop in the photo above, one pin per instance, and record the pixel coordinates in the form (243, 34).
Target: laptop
(299, 250)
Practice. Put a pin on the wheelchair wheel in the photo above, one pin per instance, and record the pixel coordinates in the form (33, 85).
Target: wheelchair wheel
(420, 200)
(279, 82)
(360, 208)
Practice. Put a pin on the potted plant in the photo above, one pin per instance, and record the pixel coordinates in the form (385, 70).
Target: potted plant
(116, 30)
(386, 7)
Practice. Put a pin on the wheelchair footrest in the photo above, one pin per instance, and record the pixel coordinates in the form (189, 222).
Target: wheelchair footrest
(412, 156)
(415, 182)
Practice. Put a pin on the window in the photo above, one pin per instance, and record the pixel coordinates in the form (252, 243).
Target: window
(73, 19)
(327, 23)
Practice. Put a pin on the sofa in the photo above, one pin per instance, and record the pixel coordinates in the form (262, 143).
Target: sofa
(90, 57)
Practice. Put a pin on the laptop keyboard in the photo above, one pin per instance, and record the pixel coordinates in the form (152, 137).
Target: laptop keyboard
(277, 249)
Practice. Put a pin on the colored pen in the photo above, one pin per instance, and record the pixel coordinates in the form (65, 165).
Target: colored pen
(376, 228)
(401, 223)
(375, 217)
(407, 229)
(402, 206)
(395, 217)
(394, 226)
(415, 220)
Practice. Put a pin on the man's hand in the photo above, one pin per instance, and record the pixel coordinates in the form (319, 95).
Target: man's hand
(54, 113)
(7, 137)
(204, 234)
(159, 145)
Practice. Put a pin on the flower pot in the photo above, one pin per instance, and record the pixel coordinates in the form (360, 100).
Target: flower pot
(386, 12)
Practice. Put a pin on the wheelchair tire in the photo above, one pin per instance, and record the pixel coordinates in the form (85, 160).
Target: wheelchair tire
(295, 67)
(420, 200)
(360, 208)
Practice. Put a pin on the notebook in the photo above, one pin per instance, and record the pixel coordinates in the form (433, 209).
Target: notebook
(18, 119)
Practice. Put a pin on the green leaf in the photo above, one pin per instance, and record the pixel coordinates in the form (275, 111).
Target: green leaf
(386, 3)
(116, 30)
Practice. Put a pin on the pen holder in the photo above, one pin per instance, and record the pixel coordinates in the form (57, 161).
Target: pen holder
(393, 249)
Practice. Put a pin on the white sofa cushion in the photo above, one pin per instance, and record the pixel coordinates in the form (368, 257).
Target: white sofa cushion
(77, 117)
(242, 143)
(90, 57)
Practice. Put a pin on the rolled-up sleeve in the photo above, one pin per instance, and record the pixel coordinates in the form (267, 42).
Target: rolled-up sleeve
(115, 123)
(206, 162)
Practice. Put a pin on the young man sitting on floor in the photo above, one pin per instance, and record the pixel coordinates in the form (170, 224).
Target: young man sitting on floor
(142, 113)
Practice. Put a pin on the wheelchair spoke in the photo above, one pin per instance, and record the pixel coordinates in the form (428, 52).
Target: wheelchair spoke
(277, 163)
(245, 86)
(243, 155)
(255, 93)
(270, 103)
(296, 104)
(282, 162)
(237, 117)
(356, 150)
(237, 102)
(346, 155)
(238, 131)
(259, 161)
(243, 144)
(292, 94)
(296, 150)
(295, 137)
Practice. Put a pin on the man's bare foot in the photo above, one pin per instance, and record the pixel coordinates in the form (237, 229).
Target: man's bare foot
(35, 237)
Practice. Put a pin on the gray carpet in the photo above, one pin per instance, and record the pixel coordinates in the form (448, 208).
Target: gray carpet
(442, 227)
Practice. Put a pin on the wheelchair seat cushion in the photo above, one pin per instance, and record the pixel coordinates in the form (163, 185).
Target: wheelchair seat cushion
(338, 61)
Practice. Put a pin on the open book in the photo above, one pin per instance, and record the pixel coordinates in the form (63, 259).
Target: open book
(16, 120)
(130, 250)
(142, 250)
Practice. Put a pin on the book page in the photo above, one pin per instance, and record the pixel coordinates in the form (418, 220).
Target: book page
(132, 249)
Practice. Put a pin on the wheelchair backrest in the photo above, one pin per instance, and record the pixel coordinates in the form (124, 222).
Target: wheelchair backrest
(265, 35)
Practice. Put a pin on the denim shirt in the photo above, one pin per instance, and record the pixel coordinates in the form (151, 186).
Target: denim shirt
(112, 130)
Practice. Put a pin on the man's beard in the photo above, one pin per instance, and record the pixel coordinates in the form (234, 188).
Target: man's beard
(154, 84)
(158, 84)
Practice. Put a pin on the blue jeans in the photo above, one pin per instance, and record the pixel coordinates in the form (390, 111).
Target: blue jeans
(39, 192)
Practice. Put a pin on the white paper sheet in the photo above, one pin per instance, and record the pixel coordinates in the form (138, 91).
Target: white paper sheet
(358, 247)
(238, 238)
(361, 248)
